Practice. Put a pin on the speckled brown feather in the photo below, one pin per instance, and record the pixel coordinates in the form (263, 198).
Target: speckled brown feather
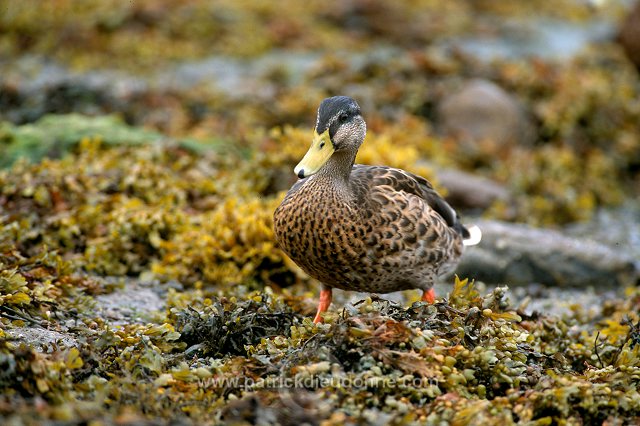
(385, 230)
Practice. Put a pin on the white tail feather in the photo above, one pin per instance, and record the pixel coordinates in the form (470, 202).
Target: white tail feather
(475, 235)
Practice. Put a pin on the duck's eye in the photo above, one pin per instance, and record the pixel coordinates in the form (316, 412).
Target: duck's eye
(343, 117)
(321, 145)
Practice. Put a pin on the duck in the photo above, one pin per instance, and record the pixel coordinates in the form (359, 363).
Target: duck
(366, 228)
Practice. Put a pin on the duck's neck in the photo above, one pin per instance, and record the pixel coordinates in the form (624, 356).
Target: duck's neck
(338, 169)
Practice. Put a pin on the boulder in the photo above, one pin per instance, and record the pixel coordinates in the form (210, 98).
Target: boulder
(482, 111)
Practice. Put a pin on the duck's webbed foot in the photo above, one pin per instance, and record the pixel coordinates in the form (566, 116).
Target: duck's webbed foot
(325, 301)
(429, 296)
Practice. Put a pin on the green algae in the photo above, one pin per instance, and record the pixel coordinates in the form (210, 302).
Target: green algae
(53, 136)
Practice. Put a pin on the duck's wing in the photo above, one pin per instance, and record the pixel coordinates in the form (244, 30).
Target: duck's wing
(367, 181)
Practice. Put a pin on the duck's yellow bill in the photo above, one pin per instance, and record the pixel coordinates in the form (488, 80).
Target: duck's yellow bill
(319, 153)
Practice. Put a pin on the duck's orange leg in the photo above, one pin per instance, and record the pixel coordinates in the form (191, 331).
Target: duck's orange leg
(429, 296)
(325, 301)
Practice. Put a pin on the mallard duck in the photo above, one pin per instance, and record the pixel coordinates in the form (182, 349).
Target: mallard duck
(364, 228)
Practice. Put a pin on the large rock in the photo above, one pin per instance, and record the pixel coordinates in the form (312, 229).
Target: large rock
(481, 111)
(136, 302)
(469, 191)
(629, 36)
(519, 254)
(42, 339)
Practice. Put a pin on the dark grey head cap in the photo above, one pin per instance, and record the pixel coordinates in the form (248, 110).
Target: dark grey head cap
(331, 108)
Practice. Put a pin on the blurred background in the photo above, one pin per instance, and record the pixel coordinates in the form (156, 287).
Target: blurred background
(540, 98)
(144, 145)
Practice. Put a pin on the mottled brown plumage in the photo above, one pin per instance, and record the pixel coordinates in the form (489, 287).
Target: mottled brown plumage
(364, 228)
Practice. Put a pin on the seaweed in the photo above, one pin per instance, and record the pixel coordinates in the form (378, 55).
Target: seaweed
(236, 341)
(173, 183)
(221, 330)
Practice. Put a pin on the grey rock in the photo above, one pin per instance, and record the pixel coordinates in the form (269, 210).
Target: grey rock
(520, 254)
(482, 111)
(617, 227)
(31, 87)
(559, 302)
(40, 338)
(133, 303)
(469, 191)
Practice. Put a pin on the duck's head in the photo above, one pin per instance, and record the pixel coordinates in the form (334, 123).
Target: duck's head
(340, 129)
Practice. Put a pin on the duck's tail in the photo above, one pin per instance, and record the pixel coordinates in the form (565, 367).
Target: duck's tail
(472, 236)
